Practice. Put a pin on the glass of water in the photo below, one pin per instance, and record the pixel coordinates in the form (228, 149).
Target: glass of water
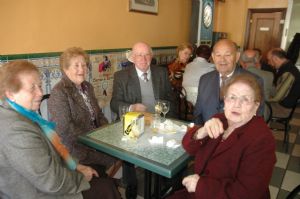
(123, 109)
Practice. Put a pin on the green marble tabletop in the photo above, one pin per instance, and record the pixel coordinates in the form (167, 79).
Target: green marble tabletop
(158, 157)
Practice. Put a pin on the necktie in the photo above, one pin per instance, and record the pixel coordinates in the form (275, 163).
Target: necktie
(224, 78)
(145, 77)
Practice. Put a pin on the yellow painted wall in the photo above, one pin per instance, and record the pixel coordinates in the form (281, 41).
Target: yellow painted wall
(32, 26)
(231, 15)
(267, 3)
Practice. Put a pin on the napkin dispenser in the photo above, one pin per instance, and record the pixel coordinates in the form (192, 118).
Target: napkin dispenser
(133, 124)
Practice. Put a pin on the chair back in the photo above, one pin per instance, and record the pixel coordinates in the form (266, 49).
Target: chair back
(268, 112)
(43, 110)
(184, 107)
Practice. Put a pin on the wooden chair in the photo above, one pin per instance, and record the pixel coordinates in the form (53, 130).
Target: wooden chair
(268, 112)
(184, 107)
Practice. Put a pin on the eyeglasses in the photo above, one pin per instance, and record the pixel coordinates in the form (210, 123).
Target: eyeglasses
(244, 100)
(141, 56)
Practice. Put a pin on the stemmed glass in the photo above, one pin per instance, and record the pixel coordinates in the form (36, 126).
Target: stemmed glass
(158, 107)
(123, 109)
(163, 107)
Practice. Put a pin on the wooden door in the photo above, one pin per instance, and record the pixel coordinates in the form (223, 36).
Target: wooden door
(265, 30)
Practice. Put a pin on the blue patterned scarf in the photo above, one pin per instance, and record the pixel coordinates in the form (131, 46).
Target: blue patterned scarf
(48, 130)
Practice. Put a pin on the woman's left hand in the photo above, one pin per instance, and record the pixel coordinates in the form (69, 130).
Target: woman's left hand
(190, 182)
(87, 171)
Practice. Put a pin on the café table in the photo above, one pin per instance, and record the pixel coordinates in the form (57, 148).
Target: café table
(156, 158)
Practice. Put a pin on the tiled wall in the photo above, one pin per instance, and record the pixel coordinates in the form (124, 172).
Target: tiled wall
(103, 65)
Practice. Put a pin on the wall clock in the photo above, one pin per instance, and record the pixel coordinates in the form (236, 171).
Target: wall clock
(207, 15)
(207, 18)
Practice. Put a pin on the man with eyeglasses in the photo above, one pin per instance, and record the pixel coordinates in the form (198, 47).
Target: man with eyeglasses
(138, 87)
(210, 90)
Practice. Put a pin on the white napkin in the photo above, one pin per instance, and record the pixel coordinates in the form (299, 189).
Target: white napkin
(168, 125)
(172, 144)
(156, 140)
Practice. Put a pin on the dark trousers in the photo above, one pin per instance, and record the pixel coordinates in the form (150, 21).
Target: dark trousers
(129, 174)
(102, 187)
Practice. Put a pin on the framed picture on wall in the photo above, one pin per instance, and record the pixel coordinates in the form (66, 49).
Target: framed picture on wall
(145, 6)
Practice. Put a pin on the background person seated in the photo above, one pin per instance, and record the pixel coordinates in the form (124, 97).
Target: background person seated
(177, 67)
(250, 61)
(234, 151)
(194, 70)
(74, 108)
(287, 83)
(263, 62)
(33, 161)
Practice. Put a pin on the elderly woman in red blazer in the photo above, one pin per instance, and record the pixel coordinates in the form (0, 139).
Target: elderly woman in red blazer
(235, 151)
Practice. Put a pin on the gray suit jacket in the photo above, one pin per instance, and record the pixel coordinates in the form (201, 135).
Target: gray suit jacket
(127, 90)
(71, 115)
(29, 165)
(268, 80)
(208, 103)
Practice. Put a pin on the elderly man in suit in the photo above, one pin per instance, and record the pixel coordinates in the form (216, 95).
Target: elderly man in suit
(249, 61)
(210, 98)
(138, 87)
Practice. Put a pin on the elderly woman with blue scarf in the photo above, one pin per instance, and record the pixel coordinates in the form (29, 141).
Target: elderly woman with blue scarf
(33, 161)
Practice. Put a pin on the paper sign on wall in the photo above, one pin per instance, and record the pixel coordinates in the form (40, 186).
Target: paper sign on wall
(265, 29)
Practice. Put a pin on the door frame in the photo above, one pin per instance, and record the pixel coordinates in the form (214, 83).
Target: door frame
(264, 10)
(286, 26)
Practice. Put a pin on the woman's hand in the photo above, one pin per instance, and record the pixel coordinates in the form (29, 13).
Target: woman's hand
(212, 128)
(190, 182)
(88, 172)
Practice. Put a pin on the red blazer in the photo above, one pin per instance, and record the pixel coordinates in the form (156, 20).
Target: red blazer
(239, 167)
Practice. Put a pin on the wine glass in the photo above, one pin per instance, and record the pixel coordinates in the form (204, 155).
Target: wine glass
(158, 107)
(165, 107)
(123, 109)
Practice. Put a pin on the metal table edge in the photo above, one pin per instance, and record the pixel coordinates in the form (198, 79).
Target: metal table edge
(133, 158)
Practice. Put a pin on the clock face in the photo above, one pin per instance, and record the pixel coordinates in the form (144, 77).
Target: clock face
(207, 15)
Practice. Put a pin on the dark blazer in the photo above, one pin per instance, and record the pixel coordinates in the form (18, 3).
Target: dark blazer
(208, 103)
(127, 90)
(239, 167)
(29, 166)
(294, 49)
(293, 94)
(71, 115)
